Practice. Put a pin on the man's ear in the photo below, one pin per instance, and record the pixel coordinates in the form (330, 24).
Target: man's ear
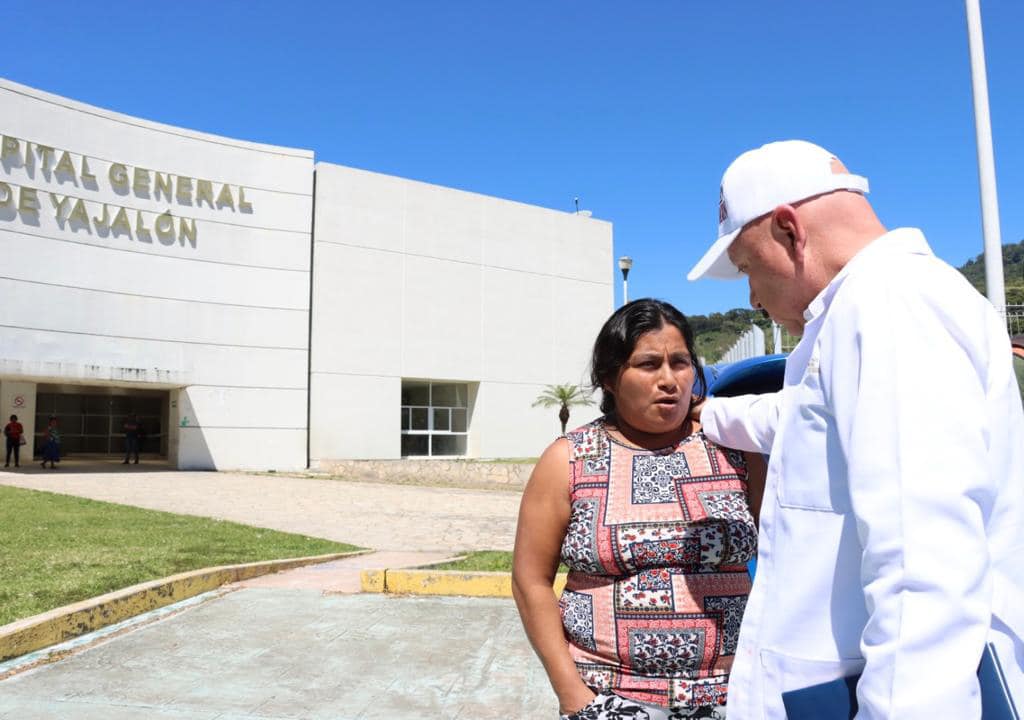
(789, 231)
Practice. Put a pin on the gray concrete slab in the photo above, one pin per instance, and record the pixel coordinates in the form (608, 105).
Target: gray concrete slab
(274, 653)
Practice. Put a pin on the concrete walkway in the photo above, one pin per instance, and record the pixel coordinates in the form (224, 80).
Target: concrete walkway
(379, 516)
(271, 654)
(340, 576)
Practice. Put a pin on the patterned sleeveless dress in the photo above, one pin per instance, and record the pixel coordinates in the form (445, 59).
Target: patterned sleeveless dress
(657, 546)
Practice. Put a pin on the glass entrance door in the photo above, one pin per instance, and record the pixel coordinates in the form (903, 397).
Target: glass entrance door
(93, 423)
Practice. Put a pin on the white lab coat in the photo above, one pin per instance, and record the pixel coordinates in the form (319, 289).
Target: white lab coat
(892, 529)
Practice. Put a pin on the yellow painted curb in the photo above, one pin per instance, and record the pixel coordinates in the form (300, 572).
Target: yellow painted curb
(443, 582)
(372, 580)
(55, 626)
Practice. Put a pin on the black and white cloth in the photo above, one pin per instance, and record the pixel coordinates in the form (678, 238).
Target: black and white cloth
(609, 706)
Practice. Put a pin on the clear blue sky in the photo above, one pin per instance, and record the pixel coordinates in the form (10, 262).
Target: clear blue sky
(634, 107)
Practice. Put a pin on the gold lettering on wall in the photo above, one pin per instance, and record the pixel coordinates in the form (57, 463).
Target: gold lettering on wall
(64, 165)
(28, 201)
(78, 213)
(10, 149)
(187, 230)
(204, 191)
(45, 156)
(161, 185)
(224, 198)
(101, 222)
(140, 181)
(120, 223)
(47, 164)
(119, 177)
(184, 190)
(87, 177)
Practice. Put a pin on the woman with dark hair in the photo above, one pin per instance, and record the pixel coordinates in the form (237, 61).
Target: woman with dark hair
(656, 524)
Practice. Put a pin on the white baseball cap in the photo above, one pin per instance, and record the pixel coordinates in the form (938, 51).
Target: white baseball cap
(758, 181)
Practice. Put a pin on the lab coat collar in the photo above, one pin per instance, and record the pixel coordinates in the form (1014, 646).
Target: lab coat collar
(909, 241)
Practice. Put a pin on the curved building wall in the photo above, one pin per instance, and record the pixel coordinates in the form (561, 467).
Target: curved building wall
(142, 255)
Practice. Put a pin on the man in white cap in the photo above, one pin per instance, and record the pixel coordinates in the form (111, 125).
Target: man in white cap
(892, 528)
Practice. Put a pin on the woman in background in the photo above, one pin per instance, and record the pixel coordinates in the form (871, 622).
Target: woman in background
(51, 443)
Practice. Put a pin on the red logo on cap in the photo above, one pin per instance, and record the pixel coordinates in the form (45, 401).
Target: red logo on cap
(722, 212)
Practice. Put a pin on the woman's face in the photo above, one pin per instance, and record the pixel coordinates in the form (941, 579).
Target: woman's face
(653, 388)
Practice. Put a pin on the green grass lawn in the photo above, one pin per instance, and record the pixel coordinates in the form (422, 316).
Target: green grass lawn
(56, 549)
(480, 561)
(484, 561)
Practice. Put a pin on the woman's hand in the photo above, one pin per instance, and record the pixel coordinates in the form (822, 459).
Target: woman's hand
(576, 700)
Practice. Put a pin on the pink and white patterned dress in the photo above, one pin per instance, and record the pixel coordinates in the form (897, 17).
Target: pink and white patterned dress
(657, 547)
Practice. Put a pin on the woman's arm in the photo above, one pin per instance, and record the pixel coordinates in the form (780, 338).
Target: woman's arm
(543, 518)
(757, 470)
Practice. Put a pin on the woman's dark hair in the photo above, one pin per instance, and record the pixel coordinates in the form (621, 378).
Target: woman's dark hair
(617, 340)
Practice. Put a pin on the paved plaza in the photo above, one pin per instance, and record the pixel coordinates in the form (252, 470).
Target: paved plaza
(374, 515)
(301, 644)
(271, 654)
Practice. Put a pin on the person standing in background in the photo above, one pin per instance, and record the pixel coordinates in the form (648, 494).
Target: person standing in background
(14, 432)
(131, 438)
(51, 443)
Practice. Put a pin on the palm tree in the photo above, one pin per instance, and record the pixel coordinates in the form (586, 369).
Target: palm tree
(564, 396)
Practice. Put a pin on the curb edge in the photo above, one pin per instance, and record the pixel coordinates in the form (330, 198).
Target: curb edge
(443, 582)
(63, 623)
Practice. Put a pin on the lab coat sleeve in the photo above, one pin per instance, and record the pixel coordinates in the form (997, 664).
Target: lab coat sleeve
(745, 422)
(909, 408)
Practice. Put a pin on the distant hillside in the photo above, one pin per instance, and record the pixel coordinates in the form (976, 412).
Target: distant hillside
(718, 332)
(1013, 272)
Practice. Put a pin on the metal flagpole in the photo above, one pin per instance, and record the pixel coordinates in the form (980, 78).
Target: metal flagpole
(986, 164)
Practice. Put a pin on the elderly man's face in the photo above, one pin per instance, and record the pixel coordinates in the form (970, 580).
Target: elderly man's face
(775, 284)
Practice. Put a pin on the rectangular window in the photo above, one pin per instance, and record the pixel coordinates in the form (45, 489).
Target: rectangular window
(420, 416)
(415, 445)
(459, 423)
(435, 419)
(442, 419)
(448, 445)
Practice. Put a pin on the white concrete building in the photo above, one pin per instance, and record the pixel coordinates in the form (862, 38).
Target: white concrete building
(170, 273)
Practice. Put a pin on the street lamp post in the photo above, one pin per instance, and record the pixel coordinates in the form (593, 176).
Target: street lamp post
(625, 263)
(994, 281)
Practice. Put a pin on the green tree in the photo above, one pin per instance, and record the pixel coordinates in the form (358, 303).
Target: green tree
(564, 397)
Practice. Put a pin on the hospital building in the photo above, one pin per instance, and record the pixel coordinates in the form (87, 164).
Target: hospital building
(258, 309)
